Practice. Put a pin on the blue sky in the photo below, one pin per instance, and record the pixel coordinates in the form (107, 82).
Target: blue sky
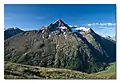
(101, 18)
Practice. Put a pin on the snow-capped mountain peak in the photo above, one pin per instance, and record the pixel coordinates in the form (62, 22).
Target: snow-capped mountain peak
(58, 25)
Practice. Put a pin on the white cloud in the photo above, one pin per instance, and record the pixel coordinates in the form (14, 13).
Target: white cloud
(111, 24)
(101, 24)
(89, 24)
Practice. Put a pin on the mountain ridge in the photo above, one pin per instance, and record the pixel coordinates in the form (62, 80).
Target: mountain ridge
(57, 47)
(9, 32)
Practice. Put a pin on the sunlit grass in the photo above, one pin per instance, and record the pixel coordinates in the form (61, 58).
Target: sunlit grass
(19, 71)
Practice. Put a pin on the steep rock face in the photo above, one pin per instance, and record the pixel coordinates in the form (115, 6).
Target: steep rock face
(58, 25)
(51, 47)
(104, 46)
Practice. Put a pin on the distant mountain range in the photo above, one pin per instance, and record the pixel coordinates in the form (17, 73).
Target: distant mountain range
(61, 46)
(113, 38)
(11, 32)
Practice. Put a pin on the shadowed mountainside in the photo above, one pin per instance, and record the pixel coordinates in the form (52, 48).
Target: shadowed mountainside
(56, 46)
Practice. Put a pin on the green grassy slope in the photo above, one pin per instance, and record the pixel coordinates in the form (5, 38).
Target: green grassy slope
(109, 72)
(19, 71)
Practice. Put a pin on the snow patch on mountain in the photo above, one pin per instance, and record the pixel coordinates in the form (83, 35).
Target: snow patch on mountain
(62, 27)
(12, 28)
(82, 28)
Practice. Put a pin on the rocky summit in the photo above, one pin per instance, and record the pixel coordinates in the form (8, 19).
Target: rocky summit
(60, 46)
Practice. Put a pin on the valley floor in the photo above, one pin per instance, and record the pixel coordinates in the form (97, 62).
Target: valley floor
(19, 71)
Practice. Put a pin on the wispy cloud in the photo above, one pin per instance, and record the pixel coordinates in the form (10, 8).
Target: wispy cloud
(101, 24)
(103, 28)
